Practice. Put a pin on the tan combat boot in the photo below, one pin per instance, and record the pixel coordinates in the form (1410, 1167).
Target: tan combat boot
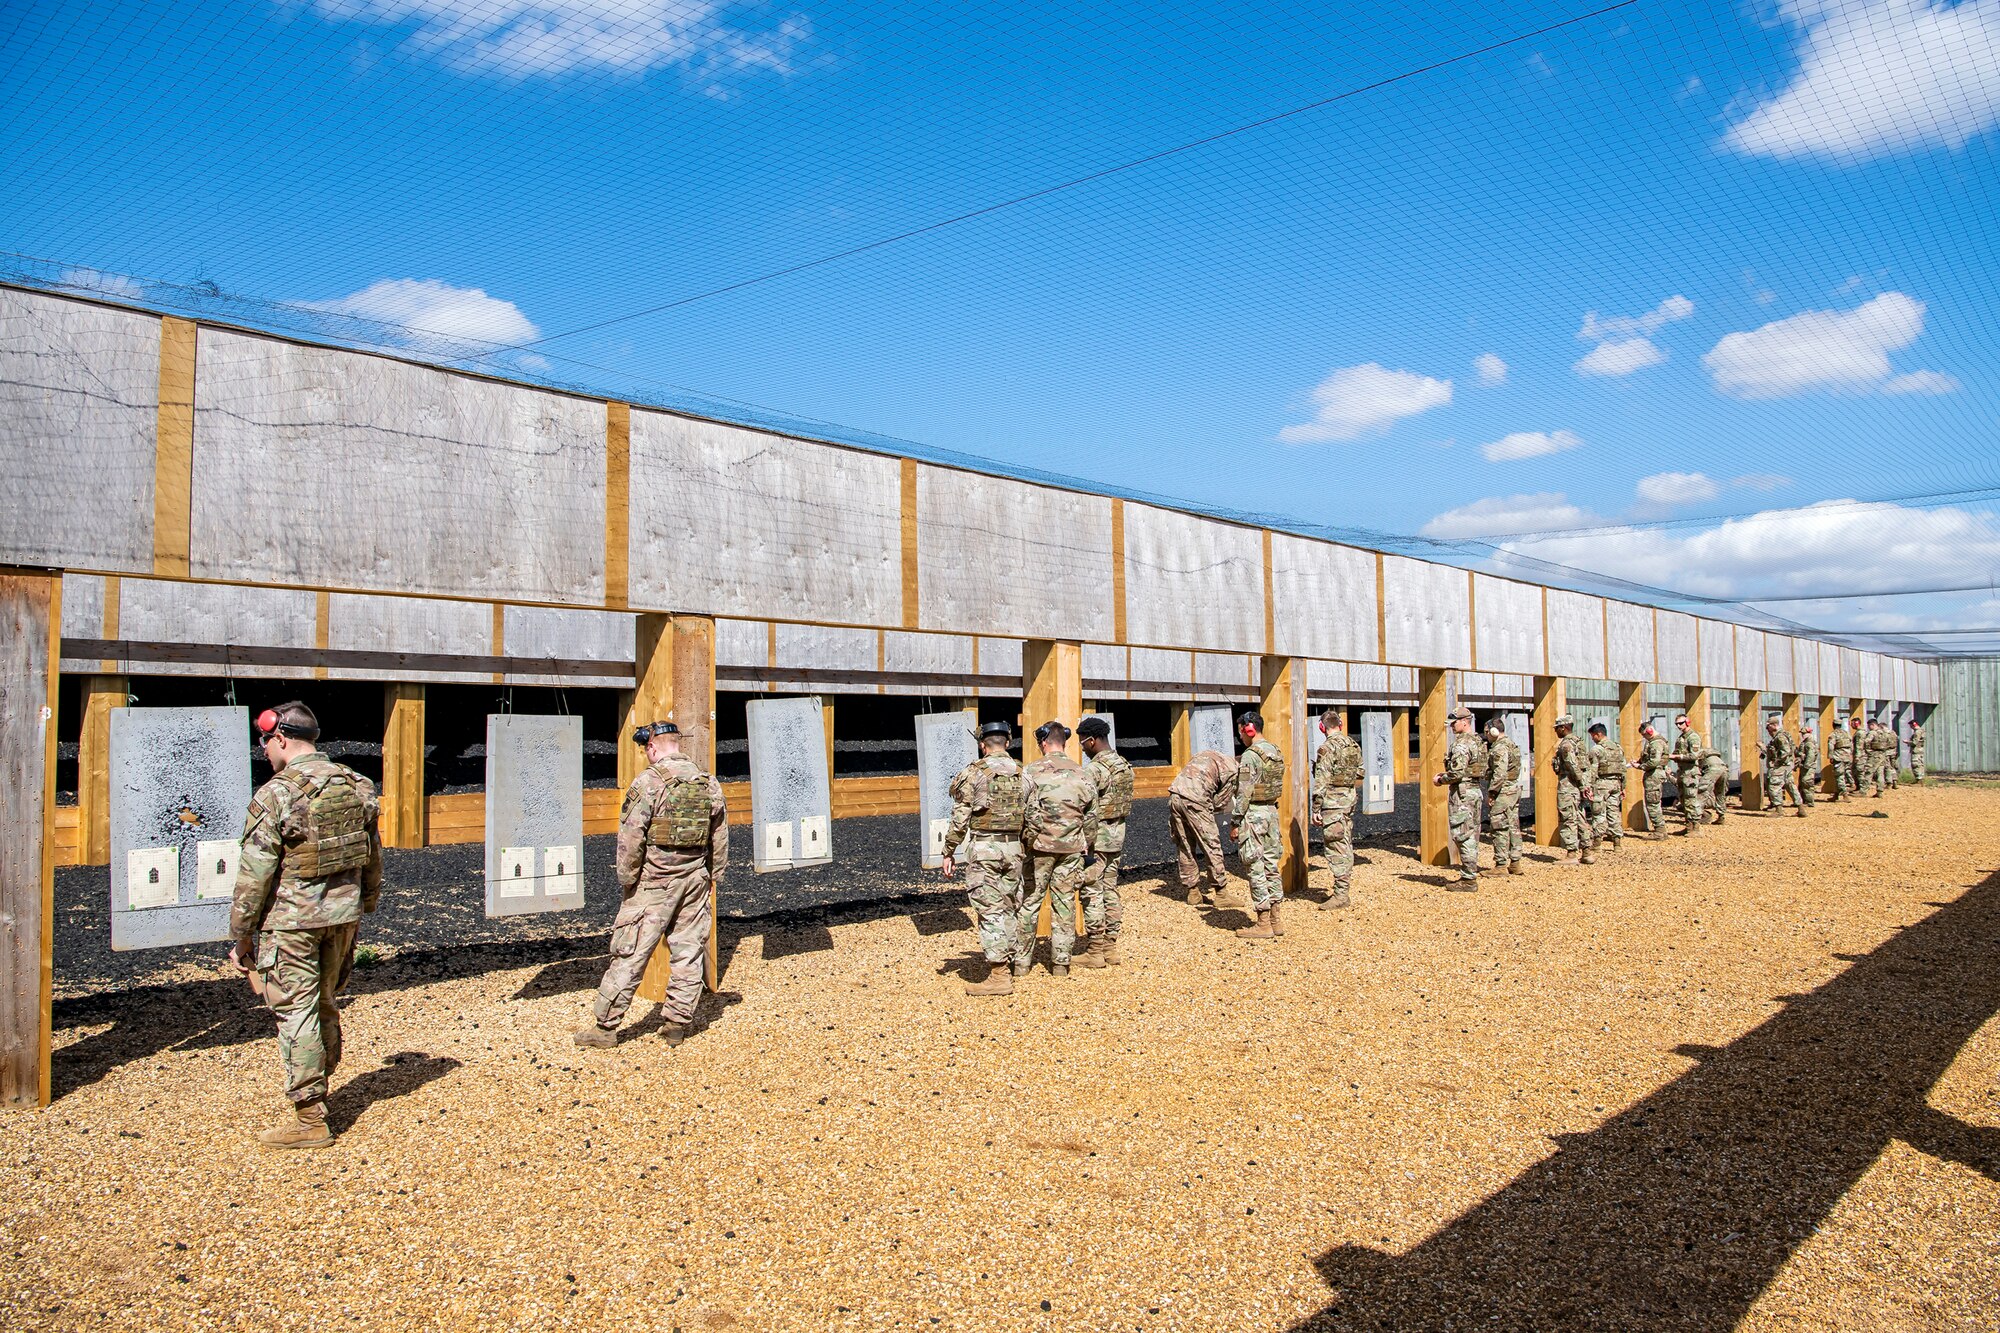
(306, 1128)
(1337, 898)
(1514, 868)
(1278, 920)
(596, 1036)
(1092, 956)
(999, 980)
(1111, 954)
(1261, 931)
(1587, 859)
(673, 1034)
(1194, 895)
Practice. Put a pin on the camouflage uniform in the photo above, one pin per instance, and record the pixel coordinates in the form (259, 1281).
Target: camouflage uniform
(1260, 780)
(1840, 751)
(1610, 789)
(1917, 752)
(1715, 782)
(1462, 804)
(1881, 754)
(1653, 753)
(311, 865)
(1200, 792)
(990, 830)
(665, 875)
(1058, 825)
(1503, 800)
(1778, 759)
(1336, 777)
(1572, 780)
(1103, 909)
(1805, 768)
(1688, 749)
(1892, 756)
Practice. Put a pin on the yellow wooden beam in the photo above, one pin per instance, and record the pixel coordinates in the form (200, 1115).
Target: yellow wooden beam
(403, 808)
(1433, 801)
(30, 662)
(1282, 701)
(1631, 716)
(173, 452)
(1051, 690)
(1117, 570)
(1828, 783)
(652, 695)
(617, 504)
(909, 514)
(1399, 743)
(101, 694)
(1548, 705)
(1180, 746)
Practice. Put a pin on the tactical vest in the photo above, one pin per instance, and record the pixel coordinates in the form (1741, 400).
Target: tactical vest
(1003, 805)
(1512, 753)
(1347, 763)
(1610, 762)
(1475, 766)
(1270, 783)
(1114, 788)
(681, 816)
(335, 836)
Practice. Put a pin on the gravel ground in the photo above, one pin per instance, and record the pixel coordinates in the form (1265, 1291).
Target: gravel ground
(1746, 1080)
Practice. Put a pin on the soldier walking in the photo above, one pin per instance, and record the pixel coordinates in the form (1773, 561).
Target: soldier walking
(1503, 798)
(1200, 793)
(1609, 761)
(1840, 752)
(1652, 766)
(1337, 773)
(311, 864)
(673, 847)
(986, 805)
(1780, 756)
(1688, 777)
(1260, 781)
(1917, 753)
(1058, 824)
(1103, 910)
(1462, 801)
(1572, 780)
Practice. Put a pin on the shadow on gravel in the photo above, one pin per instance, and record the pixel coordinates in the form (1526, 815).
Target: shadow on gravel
(400, 1075)
(1678, 1212)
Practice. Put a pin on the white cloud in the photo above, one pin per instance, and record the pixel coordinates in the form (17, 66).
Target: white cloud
(1355, 400)
(528, 38)
(1491, 369)
(1818, 349)
(433, 307)
(1922, 381)
(1621, 357)
(1761, 481)
(104, 284)
(1504, 515)
(1529, 444)
(1691, 87)
(1664, 490)
(1881, 77)
(1621, 326)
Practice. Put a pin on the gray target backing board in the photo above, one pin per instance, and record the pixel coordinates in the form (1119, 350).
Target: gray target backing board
(791, 793)
(1518, 732)
(1210, 727)
(180, 787)
(945, 745)
(1732, 748)
(1378, 766)
(534, 814)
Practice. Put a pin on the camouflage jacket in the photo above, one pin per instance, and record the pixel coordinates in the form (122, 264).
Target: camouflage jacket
(1841, 743)
(1208, 779)
(1610, 760)
(644, 866)
(1777, 751)
(1257, 759)
(969, 796)
(1339, 755)
(1653, 755)
(1458, 756)
(1884, 743)
(1916, 740)
(272, 896)
(1805, 753)
(1503, 766)
(1568, 763)
(1060, 798)
(1688, 748)
(1107, 767)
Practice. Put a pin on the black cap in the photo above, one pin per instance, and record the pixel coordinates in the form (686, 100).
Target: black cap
(1000, 729)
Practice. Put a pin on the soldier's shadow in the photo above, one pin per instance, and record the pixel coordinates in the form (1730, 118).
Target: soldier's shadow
(713, 1005)
(400, 1075)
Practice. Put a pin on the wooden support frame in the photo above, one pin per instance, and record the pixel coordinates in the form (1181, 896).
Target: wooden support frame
(826, 726)
(651, 697)
(1631, 717)
(1399, 743)
(1695, 705)
(101, 694)
(1433, 801)
(1750, 739)
(1180, 746)
(30, 663)
(1793, 714)
(1282, 701)
(1547, 706)
(404, 815)
(1829, 784)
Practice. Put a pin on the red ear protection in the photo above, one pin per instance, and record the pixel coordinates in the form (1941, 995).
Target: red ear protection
(267, 722)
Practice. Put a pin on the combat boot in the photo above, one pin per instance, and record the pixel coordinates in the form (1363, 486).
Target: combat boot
(1463, 885)
(1586, 859)
(1800, 812)
(673, 1034)
(1092, 956)
(1058, 969)
(1261, 931)
(997, 981)
(305, 1129)
(1194, 895)
(1111, 954)
(1337, 898)
(1278, 920)
(1514, 868)
(596, 1036)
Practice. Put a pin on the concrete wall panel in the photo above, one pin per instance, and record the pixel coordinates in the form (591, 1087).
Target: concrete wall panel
(929, 654)
(824, 648)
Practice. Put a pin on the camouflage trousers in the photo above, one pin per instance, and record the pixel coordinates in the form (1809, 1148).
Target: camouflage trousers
(1503, 817)
(993, 884)
(1777, 783)
(1462, 806)
(1716, 797)
(1336, 812)
(1916, 765)
(303, 970)
(1257, 842)
(1693, 804)
(1843, 775)
(1054, 876)
(675, 911)
(1803, 782)
(1570, 828)
(1608, 818)
(1103, 909)
(1655, 784)
(1855, 768)
(1872, 776)
(1195, 835)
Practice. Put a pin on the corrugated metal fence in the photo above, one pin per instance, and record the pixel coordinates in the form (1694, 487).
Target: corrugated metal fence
(1964, 729)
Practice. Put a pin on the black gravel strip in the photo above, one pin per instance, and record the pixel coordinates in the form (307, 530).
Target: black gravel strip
(433, 898)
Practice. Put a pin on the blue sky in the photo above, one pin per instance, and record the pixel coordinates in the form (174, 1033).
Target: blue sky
(1729, 259)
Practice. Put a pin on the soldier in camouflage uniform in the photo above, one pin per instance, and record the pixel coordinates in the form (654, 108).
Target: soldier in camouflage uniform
(1103, 910)
(1840, 753)
(1572, 780)
(1715, 782)
(1336, 776)
(1201, 793)
(1503, 797)
(1260, 782)
(1652, 766)
(986, 806)
(1687, 754)
(1805, 766)
(1462, 801)
(1892, 756)
(1059, 822)
(1780, 756)
(311, 864)
(1609, 763)
(1881, 755)
(1917, 753)
(673, 847)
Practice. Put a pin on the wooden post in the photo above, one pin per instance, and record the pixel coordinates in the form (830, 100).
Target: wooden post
(1399, 744)
(1547, 707)
(652, 696)
(675, 678)
(1283, 704)
(690, 702)
(1828, 783)
(1631, 717)
(1180, 748)
(1792, 714)
(1697, 710)
(1051, 689)
(403, 814)
(101, 694)
(30, 658)
(1750, 734)
(1433, 802)
(826, 725)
